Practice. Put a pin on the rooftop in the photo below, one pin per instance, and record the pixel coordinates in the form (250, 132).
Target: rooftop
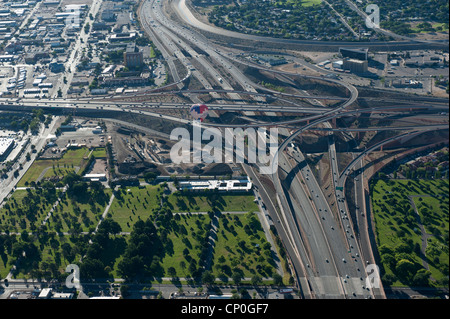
(221, 185)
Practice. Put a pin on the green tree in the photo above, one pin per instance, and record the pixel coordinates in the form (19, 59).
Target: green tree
(237, 277)
(421, 278)
(208, 278)
(171, 272)
(405, 268)
(256, 280)
(277, 279)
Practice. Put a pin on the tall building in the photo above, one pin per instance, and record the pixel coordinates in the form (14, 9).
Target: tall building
(132, 57)
(356, 66)
(355, 53)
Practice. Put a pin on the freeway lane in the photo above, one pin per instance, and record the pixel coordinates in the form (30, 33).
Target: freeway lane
(357, 250)
(161, 47)
(147, 109)
(167, 29)
(184, 35)
(322, 259)
(351, 272)
(350, 166)
(363, 240)
(289, 210)
(362, 216)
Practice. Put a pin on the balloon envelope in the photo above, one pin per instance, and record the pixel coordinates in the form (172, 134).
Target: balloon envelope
(199, 111)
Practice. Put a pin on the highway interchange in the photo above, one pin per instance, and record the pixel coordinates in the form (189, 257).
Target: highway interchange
(326, 256)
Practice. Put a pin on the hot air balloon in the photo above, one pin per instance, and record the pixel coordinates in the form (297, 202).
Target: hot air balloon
(199, 111)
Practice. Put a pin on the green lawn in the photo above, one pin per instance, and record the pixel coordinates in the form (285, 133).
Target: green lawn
(435, 27)
(4, 267)
(134, 203)
(201, 203)
(26, 209)
(241, 246)
(308, 3)
(434, 214)
(397, 227)
(47, 257)
(71, 214)
(99, 152)
(113, 252)
(191, 237)
(440, 26)
(240, 240)
(72, 159)
(303, 3)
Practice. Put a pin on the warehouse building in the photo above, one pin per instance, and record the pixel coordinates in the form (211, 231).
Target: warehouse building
(6, 146)
(237, 185)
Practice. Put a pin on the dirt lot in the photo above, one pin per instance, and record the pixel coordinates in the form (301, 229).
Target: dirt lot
(99, 167)
(295, 68)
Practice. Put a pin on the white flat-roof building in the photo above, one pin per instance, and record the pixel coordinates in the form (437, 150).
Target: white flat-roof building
(6, 57)
(95, 177)
(62, 295)
(75, 7)
(51, 2)
(97, 130)
(337, 64)
(236, 185)
(45, 293)
(394, 62)
(6, 145)
(8, 23)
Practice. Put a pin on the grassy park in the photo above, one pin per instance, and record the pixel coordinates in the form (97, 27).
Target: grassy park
(135, 203)
(204, 203)
(26, 209)
(181, 244)
(406, 212)
(73, 160)
(241, 248)
(186, 239)
(82, 215)
(42, 255)
(308, 3)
